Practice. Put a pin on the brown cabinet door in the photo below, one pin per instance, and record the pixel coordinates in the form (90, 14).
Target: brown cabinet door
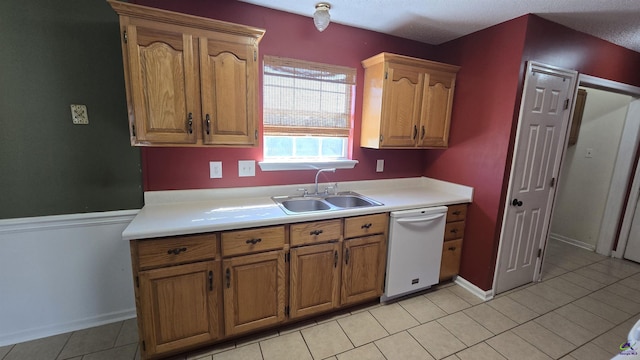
(163, 84)
(228, 74)
(179, 306)
(401, 106)
(450, 265)
(436, 110)
(254, 291)
(315, 279)
(363, 268)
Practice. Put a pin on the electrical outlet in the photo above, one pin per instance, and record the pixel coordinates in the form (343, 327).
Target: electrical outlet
(380, 166)
(246, 168)
(79, 114)
(215, 169)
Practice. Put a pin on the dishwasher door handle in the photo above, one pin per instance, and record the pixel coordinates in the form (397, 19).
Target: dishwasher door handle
(419, 219)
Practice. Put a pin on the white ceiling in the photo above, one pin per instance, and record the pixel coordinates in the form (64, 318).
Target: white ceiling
(438, 21)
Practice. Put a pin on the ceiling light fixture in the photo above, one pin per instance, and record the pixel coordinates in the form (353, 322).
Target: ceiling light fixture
(321, 17)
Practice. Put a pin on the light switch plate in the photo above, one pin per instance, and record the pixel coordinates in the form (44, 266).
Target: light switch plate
(79, 114)
(380, 166)
(215, 169)
(246, 168)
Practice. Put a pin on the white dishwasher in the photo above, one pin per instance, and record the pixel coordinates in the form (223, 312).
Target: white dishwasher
(415, 250)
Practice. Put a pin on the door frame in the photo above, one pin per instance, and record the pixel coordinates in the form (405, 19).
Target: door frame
(573, 90)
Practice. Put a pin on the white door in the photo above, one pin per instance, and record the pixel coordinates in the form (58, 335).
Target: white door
(542, 127)
(632, 252)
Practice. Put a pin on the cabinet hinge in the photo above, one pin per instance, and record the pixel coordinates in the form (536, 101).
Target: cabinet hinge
(144, 346)
(566, 104)
(125, 37)
(286, 310)
(553, 182)
(133, 130)
(255, 55)
(539, 252)
(381, 139)
(255, 134)
(386, 74)
(137, 281)
(287, 257)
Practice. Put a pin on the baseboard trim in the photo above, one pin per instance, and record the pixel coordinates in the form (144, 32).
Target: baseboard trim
(56, 329)
(53, 222)
(573, 242)
(467, 285)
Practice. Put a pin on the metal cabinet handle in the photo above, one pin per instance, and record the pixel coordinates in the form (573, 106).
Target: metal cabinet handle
(452, 248)
(253, 241)
(457, 212)
(335, 259)
(415, 132)
(176, 251)
(346, 257)
(454, 231)
(316, 232)
(208, 123)
(423, 133)
(366, 226)
(190, 123)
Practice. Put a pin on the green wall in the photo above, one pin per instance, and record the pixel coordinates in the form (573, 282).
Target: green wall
(53, 54)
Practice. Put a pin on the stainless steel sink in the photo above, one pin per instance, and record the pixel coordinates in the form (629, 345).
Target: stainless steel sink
(304, 204)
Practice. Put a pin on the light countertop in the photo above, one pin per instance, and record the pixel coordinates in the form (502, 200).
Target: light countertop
(181, 212)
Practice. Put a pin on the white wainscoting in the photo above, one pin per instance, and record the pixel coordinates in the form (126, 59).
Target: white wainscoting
(63, 273)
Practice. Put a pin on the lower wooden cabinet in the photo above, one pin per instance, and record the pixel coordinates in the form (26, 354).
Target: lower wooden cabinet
(363, 268)
(180, 306)
(315, 279)
(254, 291)
(453, 237)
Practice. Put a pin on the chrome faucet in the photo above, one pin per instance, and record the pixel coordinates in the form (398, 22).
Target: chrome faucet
(318, 173)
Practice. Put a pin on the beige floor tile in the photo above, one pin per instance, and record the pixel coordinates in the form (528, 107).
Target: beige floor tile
(326, 340)
(332, 316)
(438, 341)
(205, 353)
(550, 271)
(590, 352)
(582, 281)
(513, 347)
(126, 352)
(601, 309)
(422, 309)
(248, 352)
(624, 292)
(596, 275)
(45, 348)
(367, 352)
(128, 333)
(490, 318)
(364, 307)
(570, 331)
(587, 320)
(631, 283)
(480, 351)
(394, 318)
(331, 358)
(555, 296)
(91, 340)
(512, 309)
(611, 270)
(567, 287)
(286, 347)
(543, 339)
(402, 346)
(563, 262)
(447, 301)
(257, 337)
(296, 327)
(616, 301)
(610, 341)
(465, 328)
(465, 295)
(534, 302)
(452, 357)
(362, 328)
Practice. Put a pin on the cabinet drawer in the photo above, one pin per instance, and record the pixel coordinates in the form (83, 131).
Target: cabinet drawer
(365, 225)
(457, 212)
(450, 265)
(315, 232)
(175, 250)
(454, 230)
(252, 240)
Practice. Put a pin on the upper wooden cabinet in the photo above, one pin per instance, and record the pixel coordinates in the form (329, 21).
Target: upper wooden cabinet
(407, 102)
(189, 80)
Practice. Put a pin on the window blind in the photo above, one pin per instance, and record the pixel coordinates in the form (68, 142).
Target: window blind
(306, 98)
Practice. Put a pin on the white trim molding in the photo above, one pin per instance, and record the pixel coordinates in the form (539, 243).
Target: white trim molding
(574, 242)
(467, 285)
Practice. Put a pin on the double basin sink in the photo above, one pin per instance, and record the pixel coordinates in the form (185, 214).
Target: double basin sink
(313, 203)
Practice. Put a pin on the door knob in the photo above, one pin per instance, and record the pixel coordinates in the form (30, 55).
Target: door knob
(516, 202)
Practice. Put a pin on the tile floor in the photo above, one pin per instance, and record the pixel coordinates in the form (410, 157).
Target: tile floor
(582, 310)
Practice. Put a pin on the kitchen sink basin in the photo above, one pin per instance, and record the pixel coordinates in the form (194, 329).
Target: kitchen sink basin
(304, 204)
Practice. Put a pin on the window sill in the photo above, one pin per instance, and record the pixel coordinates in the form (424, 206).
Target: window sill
(306, 165)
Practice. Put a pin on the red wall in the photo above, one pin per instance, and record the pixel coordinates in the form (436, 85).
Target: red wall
(481, 126)
(294, 36)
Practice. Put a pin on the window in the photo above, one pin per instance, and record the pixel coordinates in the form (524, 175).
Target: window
(307, 110)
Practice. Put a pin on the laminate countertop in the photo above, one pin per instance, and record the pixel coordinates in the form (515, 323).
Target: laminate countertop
(182, 212)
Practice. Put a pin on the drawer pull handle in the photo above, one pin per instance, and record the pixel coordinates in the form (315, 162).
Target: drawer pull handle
(366, 226)
(254, 241)
(176, 251)
(454, 231)
(346, 257)
(453, 248)
(457, 212)
(316, 232)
